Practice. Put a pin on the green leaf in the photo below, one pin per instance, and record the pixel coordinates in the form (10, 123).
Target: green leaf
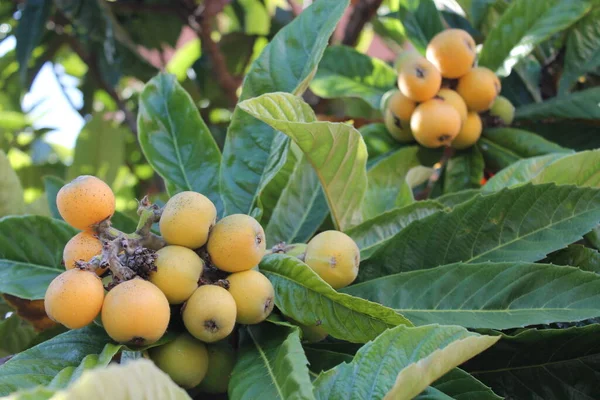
(286, 64)
(578, 256)
(52, 184)
(271, 364)
(581, 169)
(11, 191)
(30, 29)
(99, 150)
(377, 139)
(136, 379)
(549, 364)
(582, 105)
(583, 50)
(183, 59)
(503, 146)
(464, 171)
(15, 335)
(323, 359)
(453, 199)
(487, 295)
(376, 231)
(336, 151)
(460, 385)
(525, 25)
(70, 374)
(421, 21)
(401, 363)
(40, 364)
(520, 172)
(387, 187)
(521, 224)
(31, 254)
(173, 135)
(302, 295)
(344, 72)
(300, 209)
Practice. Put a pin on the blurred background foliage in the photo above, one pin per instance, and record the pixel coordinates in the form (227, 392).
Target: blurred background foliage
(71, 72)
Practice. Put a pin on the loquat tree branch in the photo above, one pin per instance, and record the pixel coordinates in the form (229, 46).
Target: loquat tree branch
(364, 10)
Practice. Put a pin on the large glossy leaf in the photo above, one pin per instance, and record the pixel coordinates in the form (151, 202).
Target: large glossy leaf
(345, 72)
(15, 335)
(549, 364)
(336, 151)
(583, 49)
(464, 171)
(176, 141)
(99, 150)
(578, 256)
(421, 21)
(520, 224)
(525, 25)
(582, 105)
(40, 364)
(31, 254)
(503, 146)
(70, 374)
(459, 385)
(451, 200)
(401, 363)
(581, 169)
(301, 208)
(286, 64)
(11, 191)
(376, 231)
(270, 364)
(30, 29)
(488, 295)
(387, 187)
(302, 295)
(520, 172)
(136, 379)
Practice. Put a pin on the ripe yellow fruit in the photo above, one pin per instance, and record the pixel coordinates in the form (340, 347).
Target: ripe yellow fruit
(435, 123)
(74, 298)
(184, 359)
(136, 312)
(253, 294)
(454, 99)
(479, 88)
(452, 51)
(401, 106)
(503, 109)
(398, 129)
(82, 247)
(178, 270)
(418, 79)
(469, 133)
(221, 360)
(85, 201)
(209, 314)
(335, 257)
(187, 218)
(236, 243)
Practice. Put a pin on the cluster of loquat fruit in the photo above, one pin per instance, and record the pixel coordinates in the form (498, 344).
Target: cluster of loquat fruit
(441, 97)
(201, 270)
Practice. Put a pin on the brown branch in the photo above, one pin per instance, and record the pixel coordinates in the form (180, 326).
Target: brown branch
(364, 10)
(200, 21)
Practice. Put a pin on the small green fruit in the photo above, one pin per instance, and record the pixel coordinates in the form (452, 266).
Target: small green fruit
(185, 360)
(399, 130)
(221, 360)
(503, 109)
